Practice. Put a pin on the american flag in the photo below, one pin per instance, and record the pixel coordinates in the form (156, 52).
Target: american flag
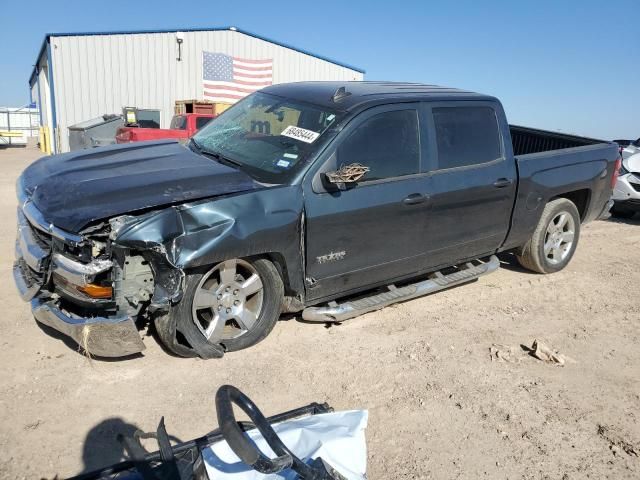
(228, 79)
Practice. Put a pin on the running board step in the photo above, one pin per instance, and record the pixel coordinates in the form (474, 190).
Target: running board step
(335, 313)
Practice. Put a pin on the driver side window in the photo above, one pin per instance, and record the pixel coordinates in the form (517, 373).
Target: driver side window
(387, 143)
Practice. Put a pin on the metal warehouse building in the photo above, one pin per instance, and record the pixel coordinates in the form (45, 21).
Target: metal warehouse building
(80, 76)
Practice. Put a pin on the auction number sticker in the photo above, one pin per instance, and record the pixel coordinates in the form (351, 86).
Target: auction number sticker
(302, 134)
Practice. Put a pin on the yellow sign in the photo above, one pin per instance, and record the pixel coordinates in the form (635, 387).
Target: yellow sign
(131, 116)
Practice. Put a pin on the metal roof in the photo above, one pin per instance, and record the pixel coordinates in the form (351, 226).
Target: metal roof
(48, 36)
(359, 93)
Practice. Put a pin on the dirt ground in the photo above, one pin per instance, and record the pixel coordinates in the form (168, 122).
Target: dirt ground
(439, 406)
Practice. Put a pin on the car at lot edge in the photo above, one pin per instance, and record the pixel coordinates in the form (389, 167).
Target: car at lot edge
(626, 194)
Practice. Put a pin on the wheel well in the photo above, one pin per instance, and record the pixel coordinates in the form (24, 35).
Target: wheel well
(281, 265)
(580, 199)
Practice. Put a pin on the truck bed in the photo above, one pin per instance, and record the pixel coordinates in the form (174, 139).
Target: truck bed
(550, 164)
(137, 134)
(530, 140)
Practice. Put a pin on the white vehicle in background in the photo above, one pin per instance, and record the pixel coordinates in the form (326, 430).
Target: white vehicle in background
(626, 193)
(628, 147)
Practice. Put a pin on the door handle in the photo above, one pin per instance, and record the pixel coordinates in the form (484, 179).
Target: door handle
(415, 198)
(502, 182)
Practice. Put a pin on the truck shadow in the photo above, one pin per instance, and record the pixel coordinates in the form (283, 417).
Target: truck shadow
(635, 220)
(104, 444)
(72, 345)
(508, 261)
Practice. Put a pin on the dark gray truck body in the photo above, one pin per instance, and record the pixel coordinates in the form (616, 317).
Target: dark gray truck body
(182, 211)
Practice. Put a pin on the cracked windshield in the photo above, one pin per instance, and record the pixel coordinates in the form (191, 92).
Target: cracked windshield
(267, 136)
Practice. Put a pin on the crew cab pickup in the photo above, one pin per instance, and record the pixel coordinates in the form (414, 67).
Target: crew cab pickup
(181, 128)
(329, 199)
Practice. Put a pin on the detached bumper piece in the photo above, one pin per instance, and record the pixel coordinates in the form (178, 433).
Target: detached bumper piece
(196, 460)
(100, 336)
(335, 312)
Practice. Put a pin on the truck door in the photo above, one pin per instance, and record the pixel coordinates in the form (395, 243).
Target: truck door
(369, 231)
(473, 181)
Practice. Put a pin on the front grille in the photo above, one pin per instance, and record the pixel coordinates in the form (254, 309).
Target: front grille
(31, 276)
(43, 239)
(37, 220)
(31, 246)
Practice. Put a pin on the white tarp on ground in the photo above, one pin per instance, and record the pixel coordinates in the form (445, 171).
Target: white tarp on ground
(337, 437)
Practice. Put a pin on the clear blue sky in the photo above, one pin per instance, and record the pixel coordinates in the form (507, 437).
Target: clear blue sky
(568, 65)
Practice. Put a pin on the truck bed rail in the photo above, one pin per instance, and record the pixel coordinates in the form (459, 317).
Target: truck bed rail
(530, 140)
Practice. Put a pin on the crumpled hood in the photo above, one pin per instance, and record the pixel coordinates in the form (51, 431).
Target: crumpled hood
(74, 189)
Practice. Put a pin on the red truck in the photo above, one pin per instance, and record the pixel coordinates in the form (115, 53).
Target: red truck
(182, 127)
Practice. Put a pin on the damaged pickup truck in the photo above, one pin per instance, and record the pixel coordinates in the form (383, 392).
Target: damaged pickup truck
(330, 199)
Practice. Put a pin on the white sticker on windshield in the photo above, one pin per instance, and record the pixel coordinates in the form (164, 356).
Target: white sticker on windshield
(302, 134)
(290, 155)
(283, 163)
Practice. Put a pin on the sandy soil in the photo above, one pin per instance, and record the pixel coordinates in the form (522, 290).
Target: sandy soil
(439, 407)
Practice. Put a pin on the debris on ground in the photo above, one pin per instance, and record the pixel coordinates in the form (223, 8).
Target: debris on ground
(545, 353)
(616, 442)
(507, 353)
(503, 353)
(33, 425)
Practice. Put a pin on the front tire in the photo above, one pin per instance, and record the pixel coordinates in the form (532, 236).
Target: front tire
(554, 240)
(232, 306)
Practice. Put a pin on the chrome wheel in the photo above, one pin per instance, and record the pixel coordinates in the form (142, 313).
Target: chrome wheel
(228, 300)
(558, 239)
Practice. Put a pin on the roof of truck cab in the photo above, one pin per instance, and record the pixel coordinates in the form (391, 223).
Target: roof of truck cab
(368, 93)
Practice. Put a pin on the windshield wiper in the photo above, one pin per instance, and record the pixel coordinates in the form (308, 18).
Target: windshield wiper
(196, 146)
(219, 157)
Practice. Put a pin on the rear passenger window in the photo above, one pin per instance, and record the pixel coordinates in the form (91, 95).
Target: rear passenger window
(466, 136)
(178, 123)
(202, 121)
(387, 143)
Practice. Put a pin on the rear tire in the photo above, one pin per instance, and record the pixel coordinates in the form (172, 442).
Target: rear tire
(215, 315)
(554, 240)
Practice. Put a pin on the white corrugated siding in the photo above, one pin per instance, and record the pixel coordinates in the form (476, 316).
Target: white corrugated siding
(34, 92)
(45, 92)
(100, 74)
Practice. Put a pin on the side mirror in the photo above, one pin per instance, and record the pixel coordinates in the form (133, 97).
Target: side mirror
(346, 174)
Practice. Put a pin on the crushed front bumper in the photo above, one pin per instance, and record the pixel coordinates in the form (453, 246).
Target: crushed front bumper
(115, 336)
(104, 336)
(100, 336)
